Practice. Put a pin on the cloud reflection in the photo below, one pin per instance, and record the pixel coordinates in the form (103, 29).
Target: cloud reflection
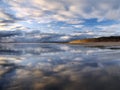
(58, 68)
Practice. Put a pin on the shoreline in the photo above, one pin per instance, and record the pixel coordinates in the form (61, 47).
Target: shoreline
(98, 43)
(78, 43)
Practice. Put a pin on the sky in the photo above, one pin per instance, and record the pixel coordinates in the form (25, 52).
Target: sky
(95, 17)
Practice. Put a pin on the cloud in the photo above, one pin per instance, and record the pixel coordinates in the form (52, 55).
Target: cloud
(7, 20)
(63, 10)
(32, 14)
(110, 30)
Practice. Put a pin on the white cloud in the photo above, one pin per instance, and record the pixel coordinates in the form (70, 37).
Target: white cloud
(3, 16)
(110, 30)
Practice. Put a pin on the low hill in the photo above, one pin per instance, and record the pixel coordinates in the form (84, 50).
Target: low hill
(100, 39)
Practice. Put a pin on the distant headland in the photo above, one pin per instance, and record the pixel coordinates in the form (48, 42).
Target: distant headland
(101, 41)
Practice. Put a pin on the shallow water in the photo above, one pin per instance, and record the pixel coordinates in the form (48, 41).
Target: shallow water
(59, 67)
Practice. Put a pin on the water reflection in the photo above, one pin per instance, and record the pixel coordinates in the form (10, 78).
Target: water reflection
(58, 67)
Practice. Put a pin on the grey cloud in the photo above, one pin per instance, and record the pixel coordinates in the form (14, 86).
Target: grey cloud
(47, 11)
(9, 33)
(7, 19)
(63, 10)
